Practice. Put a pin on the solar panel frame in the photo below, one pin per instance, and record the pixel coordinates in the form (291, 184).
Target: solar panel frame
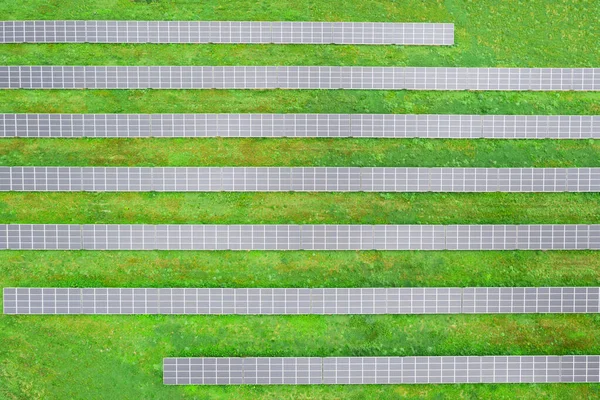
(381, 370)
(226, 32)
(295, 77)
(300, 125)
(311, 179)
(299, 237)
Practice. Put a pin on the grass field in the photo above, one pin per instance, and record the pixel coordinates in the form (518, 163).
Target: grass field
(114, 357)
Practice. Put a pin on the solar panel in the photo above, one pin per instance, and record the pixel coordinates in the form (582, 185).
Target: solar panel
(299, 237)
(298, 179)
(301, 125)
(367, 33)
(380, 370)
(293, 301)
(246, 77)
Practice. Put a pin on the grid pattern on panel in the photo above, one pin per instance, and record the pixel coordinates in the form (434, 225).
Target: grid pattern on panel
(243, 371)
(271, 77)
(300, 125)
(300, 179)
(226, 32)
(530, 300)
(299, 237)
(381, 370)
(301, 301)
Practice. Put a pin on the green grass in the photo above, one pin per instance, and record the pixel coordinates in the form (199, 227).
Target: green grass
(298, 101)
(92, 357)
(299, 208)
(306, 152)
(120, 357)
(299, 269)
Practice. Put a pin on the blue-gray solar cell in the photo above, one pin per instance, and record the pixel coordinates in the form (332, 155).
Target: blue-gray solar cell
(381, 370)
(231, 371)
(277, 179)
(594, 237)
(299, 237)
(579, 369)
(245, 77)
(530, 300)
(261, 301)
(367, 33)
(40, 237)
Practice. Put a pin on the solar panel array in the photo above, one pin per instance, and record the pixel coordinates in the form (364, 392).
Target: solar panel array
(272, 77)
(380, 370)
(283, 301)
(300, 179)
(226, 32)
(300, 125)
(475, 300)
(299, 237)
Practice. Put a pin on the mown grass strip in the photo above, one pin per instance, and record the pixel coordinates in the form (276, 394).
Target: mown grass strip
(298, 269)
(300, 208)
(186, 152)
(299, 101)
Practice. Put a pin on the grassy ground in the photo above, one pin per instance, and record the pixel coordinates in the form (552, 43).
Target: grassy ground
(93, 357)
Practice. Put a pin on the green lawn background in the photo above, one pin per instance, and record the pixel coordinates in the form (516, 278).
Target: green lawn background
(110, 357)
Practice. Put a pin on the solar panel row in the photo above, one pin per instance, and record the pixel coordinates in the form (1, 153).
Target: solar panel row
(299, 237)
(301, 179)
(243, 77)
(380, 370)
(267, 179)
(301, 125)
(226, 32)
(474, 300)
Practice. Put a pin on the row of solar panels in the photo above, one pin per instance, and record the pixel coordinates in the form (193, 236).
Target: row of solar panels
(473, 300)
(301, 125)
(300, 179)
(299, 237)
(380, 370)
(226, 32)
(272, 77)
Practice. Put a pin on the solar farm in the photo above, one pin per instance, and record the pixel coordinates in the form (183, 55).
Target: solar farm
(299, 200)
